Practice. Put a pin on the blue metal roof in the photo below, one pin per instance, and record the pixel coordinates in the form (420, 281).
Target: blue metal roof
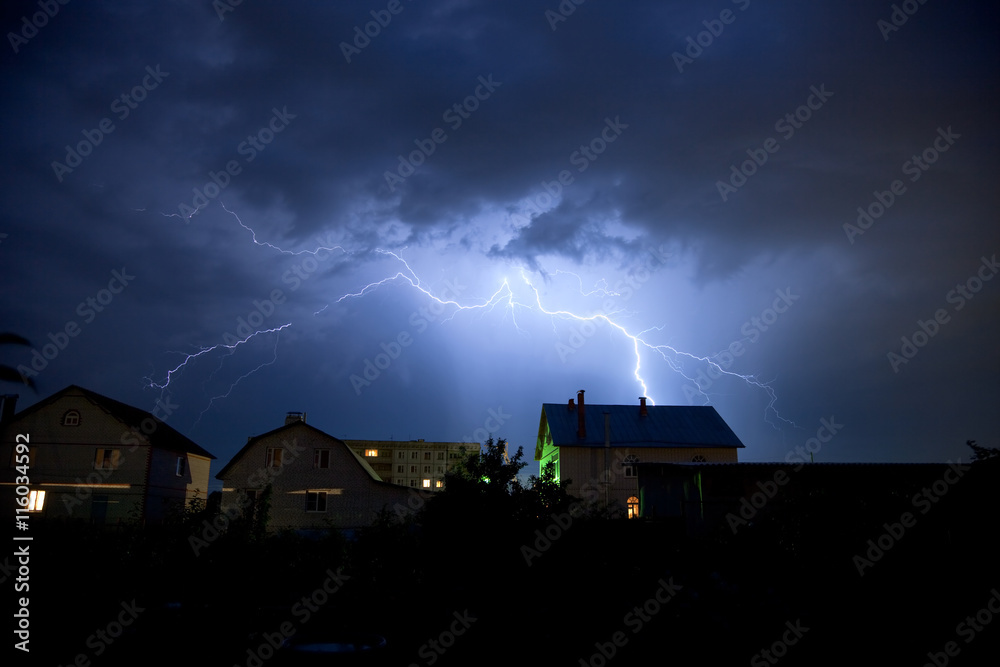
(663, 426)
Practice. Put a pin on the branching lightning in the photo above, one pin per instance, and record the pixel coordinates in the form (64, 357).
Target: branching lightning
(504, 295)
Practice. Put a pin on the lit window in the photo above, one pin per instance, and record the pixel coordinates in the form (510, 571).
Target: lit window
(438, 484)
(181, 466)
(107, 459)
(427, 483)
(316, 501)
(273, 457)
(321, 459)
(36, 500)
(699, 459)
(71, 418)
(628, 465)
(371, 452)
(633, 507)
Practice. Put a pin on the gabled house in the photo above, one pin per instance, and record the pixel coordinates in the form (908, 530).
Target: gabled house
(316, 480)
(94, 458)
(598, 447)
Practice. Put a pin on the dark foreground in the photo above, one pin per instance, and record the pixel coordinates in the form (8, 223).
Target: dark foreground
(801, 585)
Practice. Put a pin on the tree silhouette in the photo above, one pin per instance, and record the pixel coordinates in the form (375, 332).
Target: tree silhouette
(8, 373)
(980, 453)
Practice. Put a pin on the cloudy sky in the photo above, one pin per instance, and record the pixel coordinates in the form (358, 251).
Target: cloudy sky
(440, 215)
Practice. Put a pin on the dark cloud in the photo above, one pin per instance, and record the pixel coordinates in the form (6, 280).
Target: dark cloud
(525, 176)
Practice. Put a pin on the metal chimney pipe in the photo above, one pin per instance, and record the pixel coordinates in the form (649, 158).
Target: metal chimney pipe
(581, 425)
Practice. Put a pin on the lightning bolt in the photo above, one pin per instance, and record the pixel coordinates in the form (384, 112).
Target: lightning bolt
(642, 342)
(206, 350)
(668, 353)
(232, 386)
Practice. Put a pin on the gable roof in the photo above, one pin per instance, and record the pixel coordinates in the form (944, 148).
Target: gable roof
(662, 426)
(163, 436)
(252, 442)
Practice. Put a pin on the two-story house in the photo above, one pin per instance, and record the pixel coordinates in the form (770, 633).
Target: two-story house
(94, 458)
(598, 447)
(317, 481)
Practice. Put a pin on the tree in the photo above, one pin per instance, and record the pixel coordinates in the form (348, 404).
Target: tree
(9, 374)
(980, 453)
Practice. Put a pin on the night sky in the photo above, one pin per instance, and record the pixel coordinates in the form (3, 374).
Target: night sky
(686, 174)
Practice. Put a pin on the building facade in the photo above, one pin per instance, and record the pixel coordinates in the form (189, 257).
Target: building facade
(412, 463)
(90, 457)
(317, 481)
(598, 447)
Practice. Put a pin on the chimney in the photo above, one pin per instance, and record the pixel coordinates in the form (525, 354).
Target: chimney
(9, 404)
(643, 412)
(292, 417)
(581, 425)
(571, 406)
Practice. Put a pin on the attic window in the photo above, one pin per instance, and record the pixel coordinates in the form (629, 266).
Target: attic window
(71, 418)
(273, 458)
(628, 465)
(699, 459)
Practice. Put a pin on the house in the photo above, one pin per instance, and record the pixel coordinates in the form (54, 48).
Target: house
(598, 447)
(316, 480)
(414, 463)
(94, 458)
